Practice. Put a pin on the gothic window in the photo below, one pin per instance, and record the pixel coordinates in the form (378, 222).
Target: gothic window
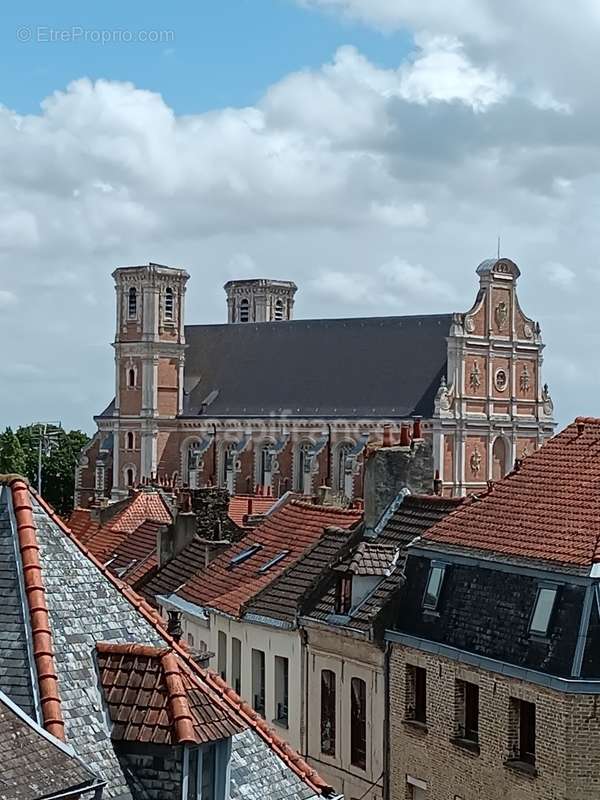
(244, 310)
(169, 304)
(328, 712)
(227, 477)
(130, 440)
(132, 303)
(358, 723)
(279, 309)
(131, 378)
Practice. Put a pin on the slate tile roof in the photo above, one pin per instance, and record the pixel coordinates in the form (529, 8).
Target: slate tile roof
(411, 518)
(548, 509)
(241, 505)
(80, 604)
(34, 765)
(153, 696)
(232, 579)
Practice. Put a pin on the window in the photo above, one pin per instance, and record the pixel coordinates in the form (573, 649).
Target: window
(169, 304)
(328, 710)
(244, 555)
(304, 464)
(343, 470)
(275, 560)
(522, 730)
(132, 303)
(201, 774)
(279, 310)
(130, 440)
(129, 476)
(434, 586)
(343, 594)
(358, 723)
(281, 690)
(222, 655)
(131, 378)
(265, 466)
(416, 694)
(236, 664)
(244, 310)
(190, 639)
(258, 681)
(467, 707)
(542, 611)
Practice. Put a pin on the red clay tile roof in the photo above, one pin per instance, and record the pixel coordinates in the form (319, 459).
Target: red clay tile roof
(43, 651)
(245, 713)
(83, 525)
(242, 504)
(372, 558)
(548, 509)
(294, 528)
(153, 696)
(145, 505)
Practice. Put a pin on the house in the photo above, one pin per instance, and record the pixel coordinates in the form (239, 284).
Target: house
(259, 654)
(265, 400)
(85, 658)
(494, 638)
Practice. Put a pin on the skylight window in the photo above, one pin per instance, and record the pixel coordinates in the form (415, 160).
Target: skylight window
(542, 612)
(434, 586)
(244, 555)
(279, 557)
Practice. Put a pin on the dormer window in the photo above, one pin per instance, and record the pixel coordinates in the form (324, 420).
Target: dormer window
(343, 594)
(434, 587)
(169, 304)
(244, 310)
(132, 303)
(542, 611)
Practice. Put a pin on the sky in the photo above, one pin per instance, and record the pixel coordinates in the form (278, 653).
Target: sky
(370, 150)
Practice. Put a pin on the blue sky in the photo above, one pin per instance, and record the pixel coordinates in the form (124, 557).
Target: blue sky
(223, 53)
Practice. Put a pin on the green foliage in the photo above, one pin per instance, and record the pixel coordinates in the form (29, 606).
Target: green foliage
(19, 453)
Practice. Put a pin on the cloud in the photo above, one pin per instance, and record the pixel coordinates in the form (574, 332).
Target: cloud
(377, 189)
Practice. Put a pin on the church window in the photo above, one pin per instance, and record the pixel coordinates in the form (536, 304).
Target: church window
(499, 459)
(279, 309)
(131, 378)
(130, 440)
(244, 310)
(129, 476)
(169, 303)
(132, 303)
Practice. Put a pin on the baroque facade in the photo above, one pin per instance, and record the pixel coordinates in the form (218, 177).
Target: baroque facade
(285, 404)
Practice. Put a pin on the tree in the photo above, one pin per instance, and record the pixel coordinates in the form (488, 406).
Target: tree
(12, 455)
(59, 461)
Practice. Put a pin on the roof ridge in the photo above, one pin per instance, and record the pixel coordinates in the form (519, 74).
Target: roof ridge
(43, 650)
(280, 747)
(179, 708)
(336, 510)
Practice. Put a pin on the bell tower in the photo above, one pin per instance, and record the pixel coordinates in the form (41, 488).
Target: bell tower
(149, 358)
(260, 300)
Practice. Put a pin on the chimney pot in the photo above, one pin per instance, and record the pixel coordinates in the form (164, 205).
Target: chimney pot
(388, 440)
(580, 427)
(174, 628)
(404, 436)
(437, 483)
(417, 428)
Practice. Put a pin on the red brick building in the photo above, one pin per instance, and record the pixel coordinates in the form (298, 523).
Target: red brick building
(268, 401)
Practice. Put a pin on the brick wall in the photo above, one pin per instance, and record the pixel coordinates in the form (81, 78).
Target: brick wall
(567, 738)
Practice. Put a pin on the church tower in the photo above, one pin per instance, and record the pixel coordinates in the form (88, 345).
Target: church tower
(260, 300)
(149, 358)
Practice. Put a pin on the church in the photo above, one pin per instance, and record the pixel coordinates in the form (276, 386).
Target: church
(266, 403)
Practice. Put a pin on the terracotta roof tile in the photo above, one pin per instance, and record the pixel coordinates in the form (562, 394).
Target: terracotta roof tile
(372, 558)
(548, 509)
(226, 584)
(240, 505)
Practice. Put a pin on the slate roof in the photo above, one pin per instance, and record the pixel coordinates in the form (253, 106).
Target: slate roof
(153, 696)
(410, 518)
(316, 368)
(547, 510)
(231, 579)
(73, 604)
(34, 764)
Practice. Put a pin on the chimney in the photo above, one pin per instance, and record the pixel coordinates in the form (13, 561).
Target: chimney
(174, 628)
(389, 470)
(173, 538)
(404, 435)
(417, 428)
(388, 440)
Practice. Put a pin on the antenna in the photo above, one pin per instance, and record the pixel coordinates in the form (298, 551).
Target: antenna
(498, 247)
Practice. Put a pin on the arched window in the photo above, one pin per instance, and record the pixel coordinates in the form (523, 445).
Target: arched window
(499, 459)
(130, 440)
(244, 310)
(342, 473)
(131, 378)
(132, 303)
(228, 459)
(304, 462)
(169, 304)
(278, 309)
(129, 476)
(265, 466)
(192, 464)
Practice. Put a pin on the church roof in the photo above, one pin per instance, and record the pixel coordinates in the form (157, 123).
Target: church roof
(363, 367)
